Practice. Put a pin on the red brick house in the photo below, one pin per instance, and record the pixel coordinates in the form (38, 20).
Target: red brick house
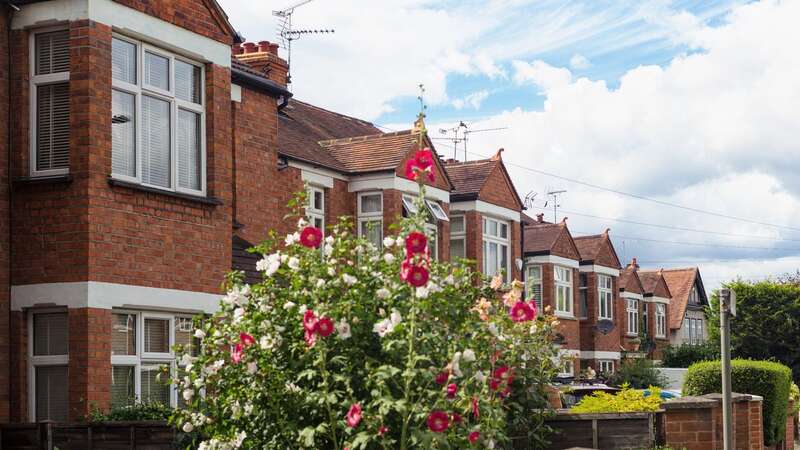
(551, 266)
(600, 309)
(687, 319)
(657, 298)
(634, 318)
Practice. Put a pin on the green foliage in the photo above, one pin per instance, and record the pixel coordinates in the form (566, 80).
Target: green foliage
(794, 395)
(638, 373)
(133, 412)
(767, 324)
(767, 379)
(626, 400)
(687, 354)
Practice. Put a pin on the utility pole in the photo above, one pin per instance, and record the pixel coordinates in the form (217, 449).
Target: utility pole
(727, 308)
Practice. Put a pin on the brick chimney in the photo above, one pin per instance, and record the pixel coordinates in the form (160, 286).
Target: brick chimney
(263, 58)
(634, 264)
(540, 218)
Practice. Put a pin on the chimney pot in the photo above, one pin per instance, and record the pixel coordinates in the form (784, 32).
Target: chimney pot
(540, 217)
(263, 46)
(249, 47)
(237, 49)
(273, 48)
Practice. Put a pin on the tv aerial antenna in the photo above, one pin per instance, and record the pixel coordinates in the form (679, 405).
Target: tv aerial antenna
(461, 133)
(530, 200)
(287, 34)
(554, 195)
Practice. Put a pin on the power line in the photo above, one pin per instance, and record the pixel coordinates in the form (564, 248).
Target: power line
(698, 244)
(641, 197)
(671, 227)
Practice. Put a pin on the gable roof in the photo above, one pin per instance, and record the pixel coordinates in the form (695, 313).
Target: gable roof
(543, 239)
(652, 280)
(373, 153)
(629, 281)
(470, 177)
(592, 249)
(680, 282)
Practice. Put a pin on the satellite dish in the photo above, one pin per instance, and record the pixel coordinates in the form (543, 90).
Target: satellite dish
(605, 326)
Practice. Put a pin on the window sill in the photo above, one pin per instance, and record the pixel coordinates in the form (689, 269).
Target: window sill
(564, 315)
(138, 187)
(51, 179)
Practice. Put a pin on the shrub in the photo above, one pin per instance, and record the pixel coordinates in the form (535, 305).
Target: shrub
(638, 373)
(770, 380)
(133, 412)
(687, 354)
(794, 395)
(626, 400)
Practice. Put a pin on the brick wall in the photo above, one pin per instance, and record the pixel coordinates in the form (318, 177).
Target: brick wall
(18, 367)
(89, 361)
(198, 16)
(4, 220)
(498, 190)
(568, 327)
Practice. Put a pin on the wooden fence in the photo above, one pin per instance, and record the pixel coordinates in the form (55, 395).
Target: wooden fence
(88, 436)
(603, 431)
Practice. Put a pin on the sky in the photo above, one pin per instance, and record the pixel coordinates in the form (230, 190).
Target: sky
(672, 123)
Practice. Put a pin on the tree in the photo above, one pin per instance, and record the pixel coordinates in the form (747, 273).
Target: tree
(767, 323)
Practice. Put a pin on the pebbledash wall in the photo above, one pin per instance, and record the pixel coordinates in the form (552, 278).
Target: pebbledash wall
(95, 254)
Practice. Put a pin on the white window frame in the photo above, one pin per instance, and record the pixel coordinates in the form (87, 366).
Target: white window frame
(437, 211)
(632, 310)
(530, 281)
(603, 363)
(34, 82)
(605, 297)
(499, 241)
(141, 358)
(140, 89)
(409, 205)
(432, 229)
(459, 235)
(661, 320)
(567, 368)
(645, 325)
(373, 217)
(566, 286)
(42, 361)
(311, 211)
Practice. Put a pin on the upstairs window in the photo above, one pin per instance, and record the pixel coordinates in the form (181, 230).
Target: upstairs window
(315, 210)
(693, 299)
(158, 118)
(605, 297)
(645, 318)
(458, 238)
(49, 88)
(533, 285)
(661, 320)
(496, 248)
(563, 289)
(632, 310)
(370, 217)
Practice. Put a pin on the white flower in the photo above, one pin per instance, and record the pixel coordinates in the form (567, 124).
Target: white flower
(284, 258)
(480, 377)
(302, 309)
(329, 240)
(291, 387)
(327, 250)
(320, 283)
(468, 355)
(331, 271)
(238, 314)
(422, 292)
(343, 329)
(188, 394)
(395, 317)
(199, 334)
(248, 408)
(383, 327)
(383, 293)
(270, 264)
(455, 366)
(252, 367)
(388, 242)
(433, 287)
(288, 305)
(493, 329)
(450, 279)
(349, 279)
(188, 427)
(490, 444)
(187, 359)
(301, 223)
(294, 263)
(534, 329)
(265, 343)
(291, 238)
(389, 258)
(237, 295)
(400, 241)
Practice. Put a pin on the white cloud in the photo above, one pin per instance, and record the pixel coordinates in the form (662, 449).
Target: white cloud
(472, 100)
(541, 74)
(579, 62)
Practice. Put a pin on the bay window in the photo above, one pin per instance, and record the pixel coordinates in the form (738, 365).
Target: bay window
(370, 217)
(458, 237)
(563, 290)
(48, 368)
(50, 103)
(158, 118)
(606, 366)
(605, 294)
(533, 285)
(632, 311)
(496, 248)
(661, 320)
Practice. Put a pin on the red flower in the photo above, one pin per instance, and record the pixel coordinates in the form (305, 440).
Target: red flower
(324, 327)
(237, 353)
(311, 237)
(438, 421)
(475, 411)
(416, 242)
(501, 375)
(310, 321)
(424, 158)
(457, 418)
(246, 339)
(353, 417)
(452, 388)
(442, 378)
(311, 338)
(415, 275)
(522, 312)
(473, 437)
(532, 305)
(382, 430)
(411, 169)
(422, 163)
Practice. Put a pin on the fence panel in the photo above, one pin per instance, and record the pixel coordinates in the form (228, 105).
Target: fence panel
(85, 436)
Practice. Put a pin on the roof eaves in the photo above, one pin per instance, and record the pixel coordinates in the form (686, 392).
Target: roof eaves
(258, 82)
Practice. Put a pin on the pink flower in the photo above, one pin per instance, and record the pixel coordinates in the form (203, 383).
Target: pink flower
(325, 327)
(310, 321)
(475, 410)
(382, 430)
(501, 375)
(237, 353)
(353, 417)
(438, 421)
(522, 312)
(246, 339)
(311, 237)
(457, 418)
(415, 275)
(473, 437)
(416, 243)
(411, 169)
(442, 378)
(422, 163)
(311, 338)
(532, 305)
(452, 388)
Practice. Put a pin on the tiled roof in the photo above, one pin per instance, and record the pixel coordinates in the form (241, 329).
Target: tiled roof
(372, 153)
(589, 246)
(540, 237)
(469, 177)
(680, 282)
(245, 261)
(302, 126)
(629, 281)
(649, 280)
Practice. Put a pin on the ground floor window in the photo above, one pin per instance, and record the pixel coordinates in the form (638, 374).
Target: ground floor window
(142, 355)
(605, 365)
(661, 320)
(567, 368)
(49, 359)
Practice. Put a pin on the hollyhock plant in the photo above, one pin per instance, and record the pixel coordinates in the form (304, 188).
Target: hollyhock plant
(416, 243)
(423, 354)
(522, 312)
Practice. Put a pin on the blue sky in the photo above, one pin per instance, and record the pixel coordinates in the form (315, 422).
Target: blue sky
(687, 103)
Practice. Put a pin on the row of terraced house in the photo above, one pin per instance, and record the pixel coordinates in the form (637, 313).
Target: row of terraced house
(144, 147)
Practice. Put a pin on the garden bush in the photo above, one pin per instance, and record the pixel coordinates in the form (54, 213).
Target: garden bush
(770, 380)
(626, 400)
(685, 355)
(136, 411)
(344, 345)
(638, 373)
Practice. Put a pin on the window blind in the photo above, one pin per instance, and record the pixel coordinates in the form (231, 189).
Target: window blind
(156, 71)
(187, 82)
(371, 203)
(52, 126)
(153, 390)
(189, 169)
(123, 385)
(123, 61)
(52, 395)
(50, 334)
(52, 52)
(156, 336)
(155, 141)
(123, 334)
(123, 133)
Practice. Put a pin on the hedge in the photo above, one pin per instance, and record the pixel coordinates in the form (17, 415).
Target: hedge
(770, 380)
(687, 354)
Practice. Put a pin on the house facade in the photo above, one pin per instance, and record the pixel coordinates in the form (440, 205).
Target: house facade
(687, 320)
